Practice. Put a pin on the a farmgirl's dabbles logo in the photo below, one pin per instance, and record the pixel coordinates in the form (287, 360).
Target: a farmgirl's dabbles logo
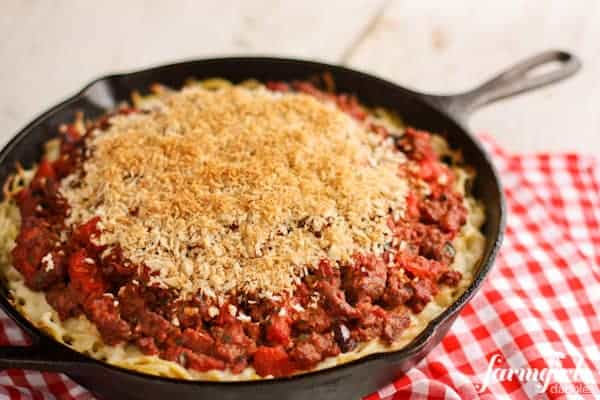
(555, 378)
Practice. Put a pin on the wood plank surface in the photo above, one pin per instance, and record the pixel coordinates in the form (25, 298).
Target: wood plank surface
(50, 49)
(450, 46)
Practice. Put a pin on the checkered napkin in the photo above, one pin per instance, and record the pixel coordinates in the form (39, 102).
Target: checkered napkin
(532, 331)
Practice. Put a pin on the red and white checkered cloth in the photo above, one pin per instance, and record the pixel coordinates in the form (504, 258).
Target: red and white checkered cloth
(539, 308)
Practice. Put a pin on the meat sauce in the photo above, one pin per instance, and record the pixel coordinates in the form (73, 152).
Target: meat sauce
(331, 311)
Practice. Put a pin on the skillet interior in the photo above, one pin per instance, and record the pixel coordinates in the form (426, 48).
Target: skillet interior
(347, 381)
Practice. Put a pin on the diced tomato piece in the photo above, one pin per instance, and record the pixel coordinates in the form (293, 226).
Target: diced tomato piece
(425, 170)
(309, 88)
(278, 331)
(127, 110)
(429, 170)
(45, 173)
(272, 361)
(278, 86)
(412, 206)
(45, 170)
(85, 276)
(64, 165)
(350, 105)
(421, 267)
(71, 137)
(72, 134)
(87, 230)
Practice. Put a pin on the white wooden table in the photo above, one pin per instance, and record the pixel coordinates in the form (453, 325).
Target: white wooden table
(48, 50)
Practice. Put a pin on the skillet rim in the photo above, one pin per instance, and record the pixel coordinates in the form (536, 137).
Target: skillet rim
(413, 347)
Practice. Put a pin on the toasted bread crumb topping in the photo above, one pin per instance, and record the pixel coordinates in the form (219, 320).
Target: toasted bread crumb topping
(238, 190)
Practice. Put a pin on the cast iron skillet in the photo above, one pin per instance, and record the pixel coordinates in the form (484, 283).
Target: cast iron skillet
(443, 114)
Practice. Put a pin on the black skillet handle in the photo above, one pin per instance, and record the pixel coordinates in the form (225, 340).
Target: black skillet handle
(517, 79)
(41, 356)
